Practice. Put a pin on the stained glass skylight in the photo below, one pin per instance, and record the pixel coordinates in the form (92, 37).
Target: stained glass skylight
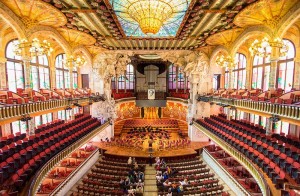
(132, 28)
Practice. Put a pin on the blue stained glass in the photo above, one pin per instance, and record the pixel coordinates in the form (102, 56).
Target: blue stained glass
(131, 27)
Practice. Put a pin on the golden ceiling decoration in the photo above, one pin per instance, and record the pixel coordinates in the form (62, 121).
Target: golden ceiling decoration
(224, 38)
(33, 12)
(264, 12)
(94, 50)
(150, 15)
(76, 38)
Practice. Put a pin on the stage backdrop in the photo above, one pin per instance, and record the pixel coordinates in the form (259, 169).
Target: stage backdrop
(175, 110)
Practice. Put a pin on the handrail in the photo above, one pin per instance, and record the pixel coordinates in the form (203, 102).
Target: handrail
(241, 158)
(16, 111)
(289, 111)
(40, 175)
(73, 173)
(227, 173)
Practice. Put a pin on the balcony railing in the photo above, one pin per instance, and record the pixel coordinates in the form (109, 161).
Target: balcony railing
(18, 110)
(281, 110)
(38, 178)
(242, 159)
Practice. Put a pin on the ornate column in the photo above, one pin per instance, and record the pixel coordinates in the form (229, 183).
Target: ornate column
(27, 71)
(248, 74)
(297, 73)
(3, 83)
(273, 68)
(71, 78)
(52, 76)
(31, 126)
(271, 124)
(230, 78)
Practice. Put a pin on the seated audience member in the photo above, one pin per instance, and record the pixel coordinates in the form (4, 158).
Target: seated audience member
(140, 187)
(174, 188)
(167, 183)
(129, 161)
(131, 191)
(141, 175)
(165, 175)
(127, 182)
(184, 182)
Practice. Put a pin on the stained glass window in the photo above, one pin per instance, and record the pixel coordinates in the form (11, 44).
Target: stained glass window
(62, 73)
(14, 68)
(19, 126)
(40, 77)
(285, 79)
(172, 77)
(130, 78)
(131, 27)
(239, 72)
(261, 73)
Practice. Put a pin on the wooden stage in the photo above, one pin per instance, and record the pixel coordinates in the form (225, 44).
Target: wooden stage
(123, 151)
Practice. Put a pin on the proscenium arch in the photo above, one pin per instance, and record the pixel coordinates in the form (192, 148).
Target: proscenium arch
(249, 33)
(13, 20)
(51, 32)
(85, 52)
(289, 19)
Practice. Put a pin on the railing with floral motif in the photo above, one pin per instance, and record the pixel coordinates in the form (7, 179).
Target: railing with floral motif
(282, 110)
(19, 110)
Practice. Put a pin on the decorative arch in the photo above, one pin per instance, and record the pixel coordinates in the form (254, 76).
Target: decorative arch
(52, 32)
(85, 52)
(13, 20)
(248, 33)
(215, 52)
(289, 19)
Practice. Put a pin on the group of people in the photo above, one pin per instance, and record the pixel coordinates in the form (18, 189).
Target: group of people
(163, 173)
(134, 182)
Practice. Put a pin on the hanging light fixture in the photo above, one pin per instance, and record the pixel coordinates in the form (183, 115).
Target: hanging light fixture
(35, 47)
(225, 61)
(76, 61)
(150, 15)
(263, 48)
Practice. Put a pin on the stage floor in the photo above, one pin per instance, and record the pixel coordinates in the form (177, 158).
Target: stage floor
(123, 151)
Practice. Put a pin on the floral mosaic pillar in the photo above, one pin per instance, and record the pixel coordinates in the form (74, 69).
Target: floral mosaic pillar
(297, 73)
(248, 76)
(31, 126)
(27, 71)
(3, 83)
(273, 68)
(71, 78)
(230, 76)
(53, 77)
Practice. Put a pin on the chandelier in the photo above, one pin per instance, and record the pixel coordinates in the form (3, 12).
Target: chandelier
(77, 61)
(35, 47)
(223, 61)
(264, 47)
(150, 14)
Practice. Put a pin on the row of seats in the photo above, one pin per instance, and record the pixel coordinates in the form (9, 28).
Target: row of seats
(179, 95)
(269, 159)
(19, 163)
(122, 95)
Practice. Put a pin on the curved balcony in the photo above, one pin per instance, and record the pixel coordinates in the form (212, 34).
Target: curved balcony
(286, 111)
(241, 158)
(9, 113)
(39, 176)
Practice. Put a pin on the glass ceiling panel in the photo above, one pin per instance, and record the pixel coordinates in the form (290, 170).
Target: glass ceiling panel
(169, 28)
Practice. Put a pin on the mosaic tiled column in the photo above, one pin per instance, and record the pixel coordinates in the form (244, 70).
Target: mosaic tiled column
(248, 76)
(297, 73)
(3, 83)
(273, 68)
(52, 77)
(31, 126)
(27, 71)
(71, 78)
(230, 76)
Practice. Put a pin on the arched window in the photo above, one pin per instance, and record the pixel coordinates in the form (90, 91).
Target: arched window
(127, 81)
(239, 72)
(285, 69)
(40, 77)
(14, 68)
(261, 73)
(75, 78)
(130, 78)
(62, 73)
(172, 77)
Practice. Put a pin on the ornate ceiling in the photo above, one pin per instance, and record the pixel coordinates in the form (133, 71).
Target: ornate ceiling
(103, 25)
(197, 21)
